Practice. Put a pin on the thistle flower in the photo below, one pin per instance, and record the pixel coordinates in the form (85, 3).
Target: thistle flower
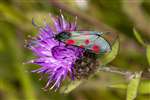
(55, 58)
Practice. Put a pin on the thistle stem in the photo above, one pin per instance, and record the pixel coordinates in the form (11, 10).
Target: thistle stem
(125, 73)
(115, 70)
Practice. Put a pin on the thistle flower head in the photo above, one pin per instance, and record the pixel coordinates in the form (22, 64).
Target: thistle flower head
(56, 59)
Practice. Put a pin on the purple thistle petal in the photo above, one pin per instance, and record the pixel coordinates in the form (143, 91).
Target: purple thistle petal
(46, 32)
(64, 23)
(55, 58)
(56, 23)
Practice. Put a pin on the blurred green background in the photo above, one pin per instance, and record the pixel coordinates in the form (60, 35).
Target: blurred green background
(117, 16)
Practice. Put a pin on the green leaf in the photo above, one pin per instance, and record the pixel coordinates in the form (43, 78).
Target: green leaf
(133, 87)
(144, 87)
(138, 37)
(148, 53)
(119, 86)
(109, 57)
(70, 86)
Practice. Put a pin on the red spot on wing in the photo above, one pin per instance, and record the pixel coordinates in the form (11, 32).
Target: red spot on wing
(81, 46)
(96, 48)
(87, 41)
(70, 41)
